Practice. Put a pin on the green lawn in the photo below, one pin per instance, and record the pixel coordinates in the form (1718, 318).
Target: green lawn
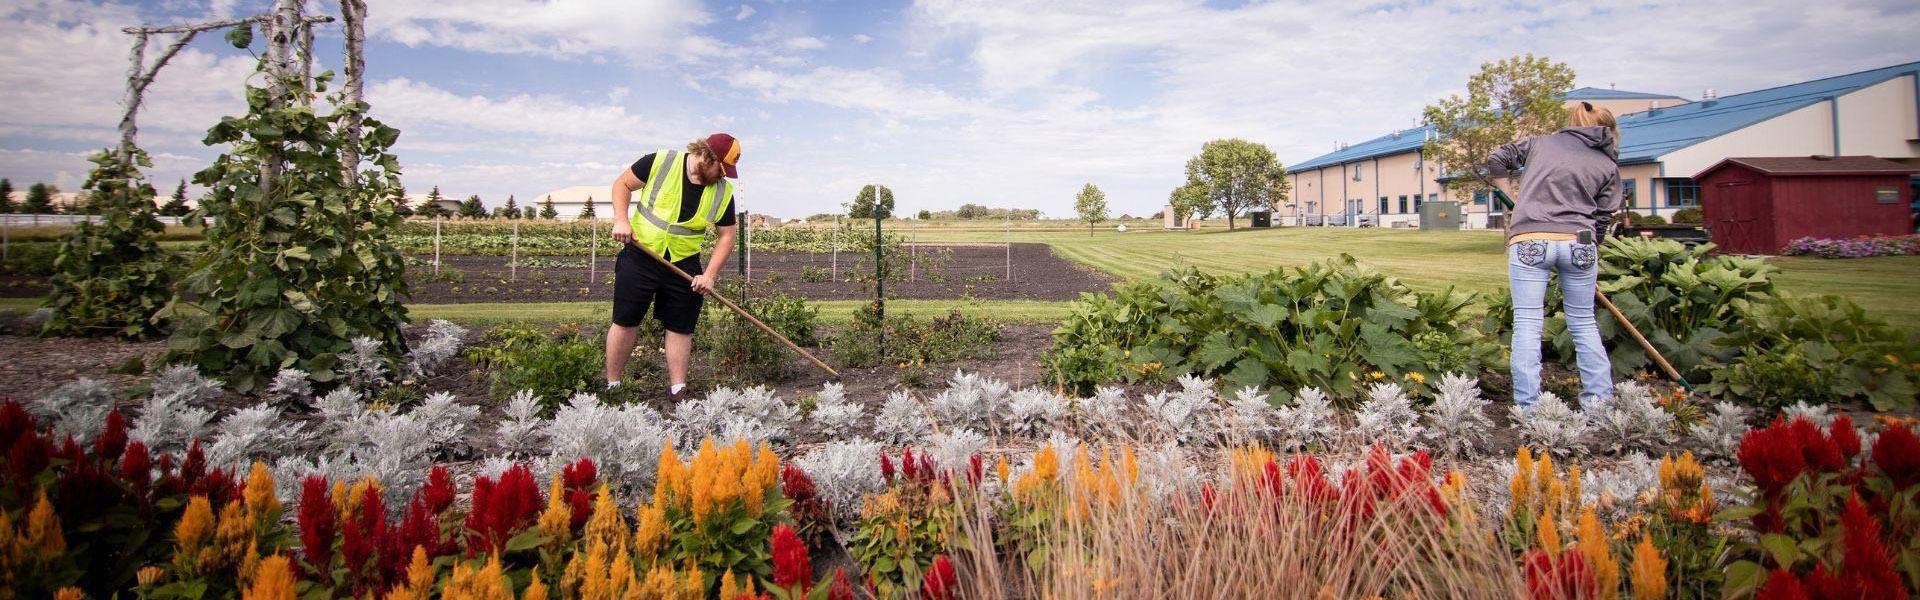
(1467, 260)
(831, 311)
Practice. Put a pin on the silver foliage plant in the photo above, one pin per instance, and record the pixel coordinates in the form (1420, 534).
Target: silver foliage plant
(1616, 487)
(901, 420)
(395, 448)
(1310, 420)
(447, 422)
(1387, 417)
(1457, 422)
(441, 344)
(1551, 426)
(1183, 415)
(365, 367)
(844, 472)
(624, 442)
(970, 400)
(1631, 420)
(1719, 436)
(290, 387)
(1248, 416)
(1033, 411)
(756, 413)
(1818, 414)
(1105, 411)
(253, 433)
(951, 449)
(78, 408)
(833, 416)
(173, 417)
(520, 432)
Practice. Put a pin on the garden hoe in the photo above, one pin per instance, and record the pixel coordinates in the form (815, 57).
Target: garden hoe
(743, 313)
(1506, 203)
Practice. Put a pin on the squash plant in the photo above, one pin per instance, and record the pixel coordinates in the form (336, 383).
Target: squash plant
(1328, 325)
(111, 278)
(1819, 350)
(294, 271)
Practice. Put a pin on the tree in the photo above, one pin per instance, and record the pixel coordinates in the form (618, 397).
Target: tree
(972, 211)
(400, 204)
(433, 208)
(472, 208)
(512, 209)
(177, 205)
(6, 196)
(547, 211)
(586, 211)
(1092, 206)
(873, 201)
(529, 212)
(1507, 100)
(39, 199)
(924, 215)
(1233, 176)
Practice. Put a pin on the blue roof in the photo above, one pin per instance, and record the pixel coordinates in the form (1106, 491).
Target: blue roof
(1592, 93)
(1645, 136)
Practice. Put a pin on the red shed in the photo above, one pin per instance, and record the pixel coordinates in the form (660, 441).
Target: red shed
(1758, 205)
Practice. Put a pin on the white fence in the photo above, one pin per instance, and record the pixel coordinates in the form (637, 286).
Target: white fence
(33, 220)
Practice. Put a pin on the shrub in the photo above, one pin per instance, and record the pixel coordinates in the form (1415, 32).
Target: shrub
(742, 354)
(1904, 245)
(912, 342)
(1820, 350)
(1687, 216)
(1320, 326)
(1646, 220)
(521, 357)
(112, 278)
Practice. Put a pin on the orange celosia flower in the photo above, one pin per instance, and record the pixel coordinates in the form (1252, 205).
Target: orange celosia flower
(663, 583)
(195, 527)
(230, 539)
(650, 532)
(273, 582)
(594, 582)
(1521, 488)
(43, 530)
(556, 522)
(1003, 469)
(670, 477)
(261, 500)
(1649, 572)
(536, 589)
(729, 588)
(419, 584)
(69, 593)
(1132, 466)
(486, 583)
(149, 575)
(605, 525)
(1040, 479)
(1592, 541)
(1573, 487)
(1547, 532)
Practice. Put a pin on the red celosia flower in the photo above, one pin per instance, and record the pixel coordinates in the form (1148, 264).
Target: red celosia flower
(580, 475)
(14, 422)
(29, 456)
(1782, 585)
(1565, 577)
(1864, 557)
(136, 466)
(218, 486)
(113, 438)
(1819, 451)
(1310, 480)
(502, 507)
(1844, 437)
(908, 467)
(317, 520)
(1271, 481)
(364, 534)
(70, 451)
(1206, 496)
(1897, 454)
(886, 468)
(419, 527)
(940, 580)
(976, 470)
(439, 490)
(85, 491)
(842, 587)
(795, 483)
(792, 567)
(194, 466)
(1770, 456)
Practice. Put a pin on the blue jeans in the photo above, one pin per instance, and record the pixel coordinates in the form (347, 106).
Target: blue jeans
(1529, 265)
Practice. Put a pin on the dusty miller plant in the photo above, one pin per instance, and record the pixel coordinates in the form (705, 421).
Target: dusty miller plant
(1183, 415)
(173, 416)
(753, 413)
(396, 450)
(1719, 436)
(1457, 422)
(833, 416)
(1249, 415)
(518, 433)
(1310, 420)
(844, 472)
(901, 419)
(78, 408)
(1818, 414)
(625, 442)
(1387, 416)
(1551, 426)
(952, 448)
(365, 367)
(253, 433)
(447, 423)
(1104, 411)
(441, 344)
(290, 388)
(342, 418)
(1033, 411)
(1632, 419)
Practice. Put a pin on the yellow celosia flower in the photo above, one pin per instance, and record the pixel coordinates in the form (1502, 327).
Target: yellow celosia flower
(605, 525)
(273, 582)
(1573, 486)
(73, 593)
(536, 589)
(231, 539)
(149, 575)
(650, 533)
(556, 522)
(419, 584)
(1600, 559)
(1547, 532)
(250, 560)
(486, 583)
(1132, 465)
(594, 582)
(670, 478)
(195, 527)
(1249, 463)
(261, 501)
(1649, 572)
(1046, 470)
(1003, 469)
(665, 584)
(1454, 488)
(729, 588)
(43, 530)
(1521, 488)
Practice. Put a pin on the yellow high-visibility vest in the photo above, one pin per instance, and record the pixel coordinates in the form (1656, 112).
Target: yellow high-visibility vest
(655, 224)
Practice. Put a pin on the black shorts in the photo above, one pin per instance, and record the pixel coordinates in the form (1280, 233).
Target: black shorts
(640, 282)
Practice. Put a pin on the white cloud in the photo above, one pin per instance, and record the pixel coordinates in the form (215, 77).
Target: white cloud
(745, 11)
(862, 38)
(805, 42)
(560, 28)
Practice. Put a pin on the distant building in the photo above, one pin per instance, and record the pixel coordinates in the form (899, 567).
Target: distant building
(1664, 141)
(760, 221)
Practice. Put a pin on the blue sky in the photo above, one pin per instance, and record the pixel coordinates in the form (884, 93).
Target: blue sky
(1008, 103)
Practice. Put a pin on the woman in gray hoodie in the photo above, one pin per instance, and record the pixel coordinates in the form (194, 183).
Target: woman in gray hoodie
(1570, 189)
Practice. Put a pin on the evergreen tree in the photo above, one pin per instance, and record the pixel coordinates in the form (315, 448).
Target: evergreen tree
(40, 199)
(6, 196)
(432, 208)
(512, 209)
(529, 212)
(472, 208)
(547, 211)
(586, 212)
(177, 205)
(400, 204)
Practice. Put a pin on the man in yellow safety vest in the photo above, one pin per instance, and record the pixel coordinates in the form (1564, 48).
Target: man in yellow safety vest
(683, 193)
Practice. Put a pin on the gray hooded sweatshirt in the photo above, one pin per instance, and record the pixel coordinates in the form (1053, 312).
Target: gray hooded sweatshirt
(1571, 179)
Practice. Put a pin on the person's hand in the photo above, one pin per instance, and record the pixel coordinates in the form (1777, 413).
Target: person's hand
(622, 232)
(703, 283)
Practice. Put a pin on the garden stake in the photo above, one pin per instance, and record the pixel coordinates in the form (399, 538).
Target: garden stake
(1503, 201)
(741, 311)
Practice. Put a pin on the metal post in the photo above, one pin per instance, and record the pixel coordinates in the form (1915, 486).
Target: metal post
(513, 257)
(1009, 247)
(593, 251)
(880, 282)
(6, 237)
(436, 244)
(746, 275)
(913, 251)
(836, 247)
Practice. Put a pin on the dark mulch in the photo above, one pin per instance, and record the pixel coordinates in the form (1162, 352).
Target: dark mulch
(942, 272)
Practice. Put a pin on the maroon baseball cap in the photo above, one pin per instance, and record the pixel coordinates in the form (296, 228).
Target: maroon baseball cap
(728, 149)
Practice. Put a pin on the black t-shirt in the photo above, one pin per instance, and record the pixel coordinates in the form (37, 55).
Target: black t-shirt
(689, 193)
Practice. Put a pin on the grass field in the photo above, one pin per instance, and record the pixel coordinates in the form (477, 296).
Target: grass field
(831, 311)
(1466, 260)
